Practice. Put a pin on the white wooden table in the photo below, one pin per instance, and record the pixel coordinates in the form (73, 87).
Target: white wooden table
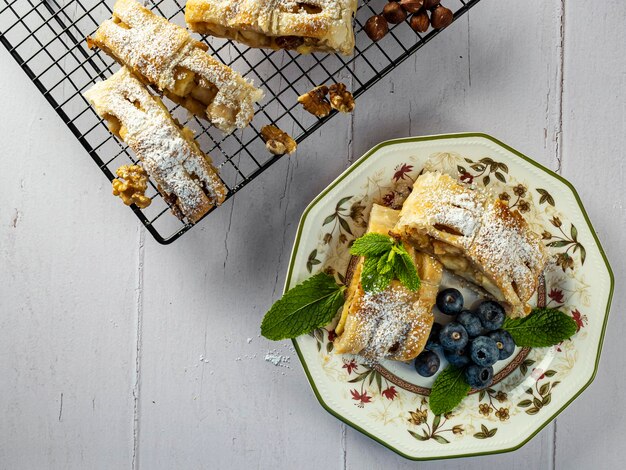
(116, 352)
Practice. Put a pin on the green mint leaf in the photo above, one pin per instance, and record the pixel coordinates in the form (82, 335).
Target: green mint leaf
(406, 272)
(385, 259)
(373, 280)
(448, 391)
(398, 248)
(309, 305)
(369, 271)
(383, 266)
(371, 244)
(543, 327)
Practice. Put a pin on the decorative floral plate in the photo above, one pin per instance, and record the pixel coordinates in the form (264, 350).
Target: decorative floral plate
(389, 402)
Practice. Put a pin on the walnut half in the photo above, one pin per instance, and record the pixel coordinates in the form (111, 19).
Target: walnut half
(315, 101)
(277, 142)
(340, 98)
(131, 188)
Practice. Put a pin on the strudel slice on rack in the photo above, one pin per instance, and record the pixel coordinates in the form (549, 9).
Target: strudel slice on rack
(476, 237)
(396, 322)
(164, 55)
(168, 152)
(305, 26)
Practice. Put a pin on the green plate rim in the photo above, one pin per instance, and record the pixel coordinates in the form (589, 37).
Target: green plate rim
(349, 170)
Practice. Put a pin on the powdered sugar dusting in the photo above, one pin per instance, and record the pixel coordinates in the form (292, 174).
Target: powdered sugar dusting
(458, 211)
(499, 251)
(438, 200)
(277, 359)
(203, 359)
(507, 250)
(156, 49)
(180, 169)
(390, 322)
(142, 40)
(323, 25)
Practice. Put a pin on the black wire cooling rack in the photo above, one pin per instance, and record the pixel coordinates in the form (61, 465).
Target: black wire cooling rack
(47, 39)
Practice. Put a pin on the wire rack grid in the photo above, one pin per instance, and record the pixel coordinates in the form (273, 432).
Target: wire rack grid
(47, 39)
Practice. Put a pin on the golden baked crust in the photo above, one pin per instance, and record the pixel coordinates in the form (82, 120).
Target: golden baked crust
(165, 55)
(395, 323)
(306, 26)
(476, 237)
(169, 153)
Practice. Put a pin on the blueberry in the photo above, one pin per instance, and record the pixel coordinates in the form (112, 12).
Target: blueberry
(491, 315)
(450, 301)
(471, 323)
(457, 358)
(479, 377)
(433, 338)
(453, 336)
(505, 343)
(427, 363)
(484, 351)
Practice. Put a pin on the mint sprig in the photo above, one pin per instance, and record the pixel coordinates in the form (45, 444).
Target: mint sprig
(406, 272)
(543, 327)
(376, 274)
(307, 306)
(385, 259)
(448, 391)
(372, 244)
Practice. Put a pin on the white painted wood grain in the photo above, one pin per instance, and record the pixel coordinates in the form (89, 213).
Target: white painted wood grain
(590, 433)
(92, 308)
(68, 274)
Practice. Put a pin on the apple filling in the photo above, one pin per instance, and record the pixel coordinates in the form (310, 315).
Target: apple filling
(301, 44)
(190, 90)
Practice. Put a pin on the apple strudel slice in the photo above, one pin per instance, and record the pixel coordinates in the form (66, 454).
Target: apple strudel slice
(476, 237)
(305, 26)
(396, 322)
(164, 55)
(170, 155)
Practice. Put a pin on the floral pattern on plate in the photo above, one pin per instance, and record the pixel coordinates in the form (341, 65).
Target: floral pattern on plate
(536, 384)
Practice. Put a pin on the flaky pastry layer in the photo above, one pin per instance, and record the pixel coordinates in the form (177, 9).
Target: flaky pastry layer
(476, 237)
(164, 55)
(168, 152)
(395, 323)
(306, 26)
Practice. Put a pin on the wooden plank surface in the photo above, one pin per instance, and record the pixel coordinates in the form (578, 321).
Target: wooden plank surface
(117, 352)
(590, 433)
(68, 295)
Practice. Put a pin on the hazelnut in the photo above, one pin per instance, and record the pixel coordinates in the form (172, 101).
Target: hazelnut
(376, 27)
(277, 141)
(441, 17)
(315, 101)
(411, 6)
(394, 13)
(340, 98)
(420, 22)
(430, 4)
